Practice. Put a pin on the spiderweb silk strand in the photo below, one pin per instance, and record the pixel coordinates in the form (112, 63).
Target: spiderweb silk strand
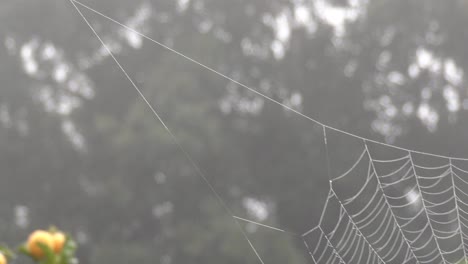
(411, 213)
(175, 140)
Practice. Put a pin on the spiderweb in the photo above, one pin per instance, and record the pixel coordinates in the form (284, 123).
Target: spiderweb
(409, 208)
(404, 212)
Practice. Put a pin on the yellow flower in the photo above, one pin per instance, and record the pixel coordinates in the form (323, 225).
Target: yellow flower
(35, 239)
(59, 241)
(3, 259)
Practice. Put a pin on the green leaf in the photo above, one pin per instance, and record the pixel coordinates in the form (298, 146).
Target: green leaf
(23, 250)
(67, 255)
(50, 257)
(7, 252)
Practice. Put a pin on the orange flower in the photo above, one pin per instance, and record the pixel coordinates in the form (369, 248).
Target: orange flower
(35, 239)
(3, 259)
(59, 241)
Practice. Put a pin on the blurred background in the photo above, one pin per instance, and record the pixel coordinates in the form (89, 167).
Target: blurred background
(79, 148)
